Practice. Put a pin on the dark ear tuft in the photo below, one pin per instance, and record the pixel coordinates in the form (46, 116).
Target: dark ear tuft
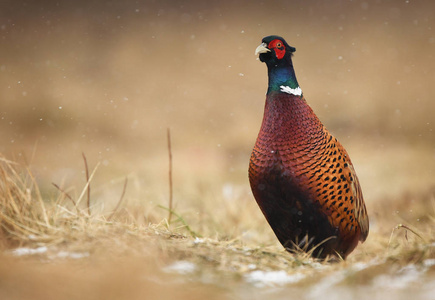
(292, 49)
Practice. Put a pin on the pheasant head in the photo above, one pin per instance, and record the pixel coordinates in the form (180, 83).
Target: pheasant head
(277, 54)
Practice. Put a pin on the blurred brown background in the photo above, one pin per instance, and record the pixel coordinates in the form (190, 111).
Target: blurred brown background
(107, 78)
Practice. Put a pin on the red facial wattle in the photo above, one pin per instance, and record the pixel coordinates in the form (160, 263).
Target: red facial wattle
(278, 47)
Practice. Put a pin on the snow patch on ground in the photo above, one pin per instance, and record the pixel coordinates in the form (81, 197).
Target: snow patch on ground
(272, 278)
(429, 262)
(44, 250)
(198, 240)
(73, 255)
(181, 267)
(29, 251)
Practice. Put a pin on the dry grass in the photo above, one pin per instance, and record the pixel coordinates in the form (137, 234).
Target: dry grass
(24, 216)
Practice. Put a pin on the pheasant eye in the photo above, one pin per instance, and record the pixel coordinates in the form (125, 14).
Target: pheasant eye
(278, 45)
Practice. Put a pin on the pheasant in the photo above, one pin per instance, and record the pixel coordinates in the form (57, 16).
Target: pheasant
(301, 176)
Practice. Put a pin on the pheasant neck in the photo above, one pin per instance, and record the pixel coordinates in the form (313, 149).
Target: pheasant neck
(281, 77)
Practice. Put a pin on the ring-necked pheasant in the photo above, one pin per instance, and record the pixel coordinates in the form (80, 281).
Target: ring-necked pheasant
(301, 176)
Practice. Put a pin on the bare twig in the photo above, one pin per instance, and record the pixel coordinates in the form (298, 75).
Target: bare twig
(170, 175)
(66, 195)
(120, 200)
(89, 186)
(406, 232)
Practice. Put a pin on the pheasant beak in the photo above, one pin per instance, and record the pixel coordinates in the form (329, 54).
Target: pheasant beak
(262, 49)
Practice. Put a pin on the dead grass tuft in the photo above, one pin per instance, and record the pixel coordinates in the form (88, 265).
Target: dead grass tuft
(23, 213)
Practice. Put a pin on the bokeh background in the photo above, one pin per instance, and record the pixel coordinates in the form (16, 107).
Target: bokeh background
(107, 78)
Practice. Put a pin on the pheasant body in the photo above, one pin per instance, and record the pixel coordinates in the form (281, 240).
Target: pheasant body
(301, 176)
